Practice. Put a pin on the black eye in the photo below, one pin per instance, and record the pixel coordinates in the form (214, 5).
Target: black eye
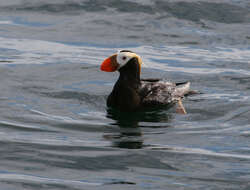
(123, 58)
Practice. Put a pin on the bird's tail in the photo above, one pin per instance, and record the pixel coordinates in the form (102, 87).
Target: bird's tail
(182, 89)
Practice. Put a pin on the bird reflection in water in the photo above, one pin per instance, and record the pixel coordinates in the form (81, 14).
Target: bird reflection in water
(131, 124)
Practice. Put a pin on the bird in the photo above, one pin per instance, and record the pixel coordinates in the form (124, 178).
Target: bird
(131, 93)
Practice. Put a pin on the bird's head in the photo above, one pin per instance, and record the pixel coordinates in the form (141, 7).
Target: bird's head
(121, 60)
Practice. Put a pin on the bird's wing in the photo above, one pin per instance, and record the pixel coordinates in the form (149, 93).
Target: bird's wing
(162, 92)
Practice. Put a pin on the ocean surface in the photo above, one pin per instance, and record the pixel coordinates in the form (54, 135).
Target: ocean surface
(55, 130)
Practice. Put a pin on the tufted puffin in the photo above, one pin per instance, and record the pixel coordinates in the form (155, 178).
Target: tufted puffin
(131, 93)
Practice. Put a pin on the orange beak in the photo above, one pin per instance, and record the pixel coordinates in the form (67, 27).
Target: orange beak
(110, 64)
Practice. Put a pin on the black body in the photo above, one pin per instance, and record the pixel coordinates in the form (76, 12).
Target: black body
(130, 93)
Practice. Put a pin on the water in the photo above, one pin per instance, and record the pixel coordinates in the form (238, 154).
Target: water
(55, 129)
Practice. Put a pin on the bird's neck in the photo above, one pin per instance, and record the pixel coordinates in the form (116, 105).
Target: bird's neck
(132, 79)
(130, 74)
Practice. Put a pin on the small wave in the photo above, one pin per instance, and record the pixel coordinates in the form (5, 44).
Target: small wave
(19, 22)
(225, 96)
(184, 150)
(185, 59)
(208, 130)
(32, 180)
(51, 140)
(7, 22)
(86, 122)
(24, 127)
(41, 181)
(42, 52)
(74, 7)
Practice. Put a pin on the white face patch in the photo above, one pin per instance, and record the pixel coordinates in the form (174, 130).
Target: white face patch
(124, 57)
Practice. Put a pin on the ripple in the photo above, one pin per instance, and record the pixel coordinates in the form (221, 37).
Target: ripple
(69, 123)
(233, 97)
(42, 52)
(198, 151)
(54, 139)
(6, 22)
(42, 181)
(23, 127)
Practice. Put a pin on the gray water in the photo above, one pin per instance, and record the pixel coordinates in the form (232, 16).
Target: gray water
(55, 129)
